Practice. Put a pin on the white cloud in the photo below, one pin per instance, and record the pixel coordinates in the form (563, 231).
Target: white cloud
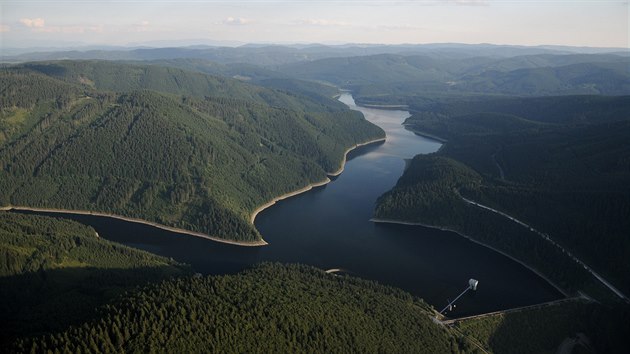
(33, 22)
(236, 21)
(4, 28)
(38, 25)
(69, 29)
(321, 22)
(143, 26)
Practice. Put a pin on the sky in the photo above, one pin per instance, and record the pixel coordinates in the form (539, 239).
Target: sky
(47, 23)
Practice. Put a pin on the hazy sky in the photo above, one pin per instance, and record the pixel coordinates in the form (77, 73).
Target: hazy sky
(114, 22)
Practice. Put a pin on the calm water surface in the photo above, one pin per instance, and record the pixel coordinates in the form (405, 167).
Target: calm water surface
(329, 227)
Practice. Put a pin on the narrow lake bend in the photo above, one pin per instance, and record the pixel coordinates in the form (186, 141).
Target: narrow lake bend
(328, 227)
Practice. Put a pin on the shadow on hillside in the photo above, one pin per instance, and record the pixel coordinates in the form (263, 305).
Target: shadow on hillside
(528, 332)
(544, 329)
(365, 149)
(51, 300)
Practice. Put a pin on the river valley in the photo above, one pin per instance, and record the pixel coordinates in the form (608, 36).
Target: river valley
(329, 227)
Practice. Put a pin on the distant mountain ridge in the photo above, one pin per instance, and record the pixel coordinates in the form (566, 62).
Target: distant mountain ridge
(273, 54)
(392, 77)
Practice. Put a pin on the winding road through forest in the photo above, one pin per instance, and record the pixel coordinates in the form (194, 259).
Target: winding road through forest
(548, 239)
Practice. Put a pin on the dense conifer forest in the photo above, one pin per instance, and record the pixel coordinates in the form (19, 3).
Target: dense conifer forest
(201, 154)
(560, 164)
(64, 289)
(398, 78)
(55, 273)
(594, 328)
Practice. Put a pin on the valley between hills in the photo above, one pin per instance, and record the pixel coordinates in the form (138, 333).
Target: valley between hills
(534, 163)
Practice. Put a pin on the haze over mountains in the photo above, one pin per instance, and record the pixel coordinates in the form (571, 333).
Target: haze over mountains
(273, 54)
(397, 69)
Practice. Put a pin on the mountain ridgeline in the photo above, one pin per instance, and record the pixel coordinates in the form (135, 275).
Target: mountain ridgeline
(179, 148)
(390, 78)
(181, 77)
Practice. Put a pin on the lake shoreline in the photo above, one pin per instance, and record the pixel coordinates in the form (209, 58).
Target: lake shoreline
(257, 243)
(345, 154)
(392, 107)
(315, 184)
(423, 134)
(443, 228)
(138, 221)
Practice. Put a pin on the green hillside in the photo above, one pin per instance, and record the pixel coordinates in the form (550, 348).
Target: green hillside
(583, 78)
(399, 79)
(199, 163)
(253, 74)
(55, 273)
(63, 288)
(272, 308)
(244, 72)
(570, 109)
(425, 191)
(374, 69)
(118, 76)
(429, 193)
(564, 172)
(595, 329)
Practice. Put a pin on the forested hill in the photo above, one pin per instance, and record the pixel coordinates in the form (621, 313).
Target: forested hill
(55, 273)
(271, 309)
(199, 163)
(559, 164)
(64, 289)
(459, 116)
(397, 79)
(190, 80)
(253, 74)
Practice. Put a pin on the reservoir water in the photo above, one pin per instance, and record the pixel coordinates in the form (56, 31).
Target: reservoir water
(328, 227)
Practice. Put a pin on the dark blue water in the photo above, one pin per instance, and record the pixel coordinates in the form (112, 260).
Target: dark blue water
(329, 227)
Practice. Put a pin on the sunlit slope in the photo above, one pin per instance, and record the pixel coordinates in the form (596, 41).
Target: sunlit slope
(199, 163)
(179, 77)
